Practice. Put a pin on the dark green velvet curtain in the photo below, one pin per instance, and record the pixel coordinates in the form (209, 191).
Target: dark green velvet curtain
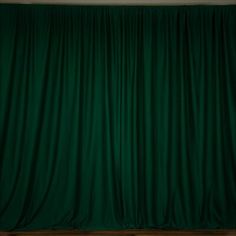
(117, 117)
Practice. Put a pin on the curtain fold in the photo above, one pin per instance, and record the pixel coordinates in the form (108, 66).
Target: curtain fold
(117, 117)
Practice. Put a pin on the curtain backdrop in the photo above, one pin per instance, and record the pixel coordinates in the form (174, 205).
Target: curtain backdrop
(117, 117)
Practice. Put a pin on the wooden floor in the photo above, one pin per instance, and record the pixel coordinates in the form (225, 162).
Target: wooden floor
(125, 233)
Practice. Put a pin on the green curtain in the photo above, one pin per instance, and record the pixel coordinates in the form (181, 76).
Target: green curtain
(117, 117)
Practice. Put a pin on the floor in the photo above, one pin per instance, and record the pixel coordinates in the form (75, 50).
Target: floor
(125, 233)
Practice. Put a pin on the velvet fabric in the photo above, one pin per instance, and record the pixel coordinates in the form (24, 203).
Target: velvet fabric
(117, 117)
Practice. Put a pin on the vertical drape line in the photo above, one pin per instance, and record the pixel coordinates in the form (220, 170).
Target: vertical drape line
(230, 108)
(7, 118)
